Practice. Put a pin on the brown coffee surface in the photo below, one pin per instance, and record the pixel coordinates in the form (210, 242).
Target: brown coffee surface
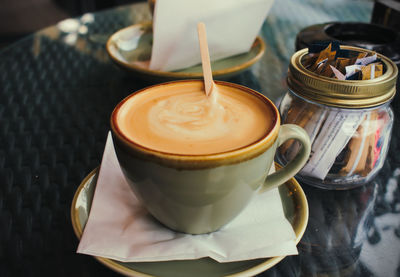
(181, 119)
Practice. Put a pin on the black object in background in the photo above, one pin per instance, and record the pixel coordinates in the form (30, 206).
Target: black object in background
(381, 39)
(387, 13)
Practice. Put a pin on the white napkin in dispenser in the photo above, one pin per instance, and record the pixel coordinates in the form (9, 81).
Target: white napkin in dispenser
(232, 26)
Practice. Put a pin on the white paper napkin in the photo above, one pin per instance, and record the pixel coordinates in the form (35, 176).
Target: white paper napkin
(120, 228)
(232, 26)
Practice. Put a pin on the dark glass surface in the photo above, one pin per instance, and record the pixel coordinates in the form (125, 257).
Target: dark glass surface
(57, 90)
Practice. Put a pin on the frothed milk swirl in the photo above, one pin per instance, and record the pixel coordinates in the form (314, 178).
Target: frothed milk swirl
(181, 119)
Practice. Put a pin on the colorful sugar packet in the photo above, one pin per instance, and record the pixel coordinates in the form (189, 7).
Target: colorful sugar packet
(328, 59)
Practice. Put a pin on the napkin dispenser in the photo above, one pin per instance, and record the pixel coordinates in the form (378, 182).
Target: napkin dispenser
(232, 27)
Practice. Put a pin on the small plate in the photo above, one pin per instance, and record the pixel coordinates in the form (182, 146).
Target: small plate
(133, 52)
(294, 205)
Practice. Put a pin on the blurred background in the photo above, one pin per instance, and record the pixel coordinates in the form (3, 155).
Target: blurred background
(19, 18)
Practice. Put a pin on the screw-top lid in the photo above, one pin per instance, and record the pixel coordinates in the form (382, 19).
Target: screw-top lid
(342, 93)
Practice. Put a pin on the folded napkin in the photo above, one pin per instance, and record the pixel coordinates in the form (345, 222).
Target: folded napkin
(120, 228)
(232, 26)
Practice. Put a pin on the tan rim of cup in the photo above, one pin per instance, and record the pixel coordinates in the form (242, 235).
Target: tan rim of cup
(198, 161)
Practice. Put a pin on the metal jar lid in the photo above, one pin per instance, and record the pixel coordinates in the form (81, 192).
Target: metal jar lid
(342, 93)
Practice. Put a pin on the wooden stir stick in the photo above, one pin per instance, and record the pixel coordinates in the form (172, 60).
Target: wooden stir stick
(205, 58)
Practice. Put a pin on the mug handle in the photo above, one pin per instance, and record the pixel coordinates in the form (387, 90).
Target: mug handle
(286, 132)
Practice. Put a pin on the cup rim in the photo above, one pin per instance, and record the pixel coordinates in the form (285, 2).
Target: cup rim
(198, 160)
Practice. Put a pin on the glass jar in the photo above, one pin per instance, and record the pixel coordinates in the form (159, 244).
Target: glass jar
(349, 123)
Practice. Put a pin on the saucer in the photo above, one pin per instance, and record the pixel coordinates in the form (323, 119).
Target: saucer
(130, 48)
(294, 205)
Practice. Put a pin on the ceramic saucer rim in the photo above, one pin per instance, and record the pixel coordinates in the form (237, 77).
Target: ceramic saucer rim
(263, 266)
(177, 74)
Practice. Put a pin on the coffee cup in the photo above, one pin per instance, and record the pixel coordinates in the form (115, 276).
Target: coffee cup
(195, 162)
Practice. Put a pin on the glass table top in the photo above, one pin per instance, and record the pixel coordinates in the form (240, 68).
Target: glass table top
(57, 90)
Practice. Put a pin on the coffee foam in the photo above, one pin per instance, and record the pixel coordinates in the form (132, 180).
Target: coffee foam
(181, 119)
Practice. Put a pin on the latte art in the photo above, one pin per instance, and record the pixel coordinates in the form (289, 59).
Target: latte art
(193, 117)
(183, 120)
